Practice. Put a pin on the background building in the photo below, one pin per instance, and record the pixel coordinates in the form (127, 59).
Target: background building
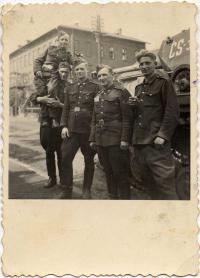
(97, 47)
(115, 50)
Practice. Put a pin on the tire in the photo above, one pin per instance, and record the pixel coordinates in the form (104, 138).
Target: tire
(183, 181)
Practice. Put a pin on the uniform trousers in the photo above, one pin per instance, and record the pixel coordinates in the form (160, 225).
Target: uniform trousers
(50, 139)
(69, 149)
(116, 166)
(157, 168)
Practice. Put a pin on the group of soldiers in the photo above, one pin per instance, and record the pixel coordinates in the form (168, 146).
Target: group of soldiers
(102, 117)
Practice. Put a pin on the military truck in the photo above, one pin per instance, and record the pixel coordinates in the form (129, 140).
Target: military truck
(173, 59)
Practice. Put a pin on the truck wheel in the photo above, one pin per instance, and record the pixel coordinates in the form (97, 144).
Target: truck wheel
(183, 181)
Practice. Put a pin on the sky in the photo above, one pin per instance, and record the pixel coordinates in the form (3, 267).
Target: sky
(149, 22)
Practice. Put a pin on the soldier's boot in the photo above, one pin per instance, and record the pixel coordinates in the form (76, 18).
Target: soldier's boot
(59, 162)
(86, 194)
(51, 182)
(66, 192)
(88, 177)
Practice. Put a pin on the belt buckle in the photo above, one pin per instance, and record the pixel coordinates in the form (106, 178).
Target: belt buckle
(77, 109)
(101, 123)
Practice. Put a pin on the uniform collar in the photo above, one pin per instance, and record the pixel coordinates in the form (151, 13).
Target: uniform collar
(83, 83)
(151, 80)
(109, 87)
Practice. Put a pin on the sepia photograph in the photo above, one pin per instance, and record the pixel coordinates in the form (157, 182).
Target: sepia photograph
(99, 110)
(100, 139)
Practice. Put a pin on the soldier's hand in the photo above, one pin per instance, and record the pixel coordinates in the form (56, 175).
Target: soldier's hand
(159, 141)
(133, 101)
(93, 145)
(64, 133)
(124, 146)
(43, 99)
(39, 74)
(55, 103)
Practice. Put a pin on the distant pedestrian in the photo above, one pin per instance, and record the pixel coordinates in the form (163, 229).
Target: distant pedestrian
(111, 133)
(156, 115)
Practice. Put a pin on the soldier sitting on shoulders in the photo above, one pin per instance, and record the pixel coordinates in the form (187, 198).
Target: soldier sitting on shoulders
(47, 64)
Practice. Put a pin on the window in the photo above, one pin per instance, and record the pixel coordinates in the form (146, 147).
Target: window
(25, 60)
(34, 54)
(88, 49)
(111, 53)
(29, 58)
(76, 46)
(124, 54)
(38, 51)
(101, 51)
(20, 63)
(17, 65)
(44, 47)
(12, 65)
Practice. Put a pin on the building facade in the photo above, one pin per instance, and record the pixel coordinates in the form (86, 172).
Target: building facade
(105, 48)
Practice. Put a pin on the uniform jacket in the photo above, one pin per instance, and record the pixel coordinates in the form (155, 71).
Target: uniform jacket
(78, 106)
(111, 122)
(157, 112)
(52, 56)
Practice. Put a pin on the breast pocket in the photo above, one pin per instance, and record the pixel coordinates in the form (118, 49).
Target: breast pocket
(87, 98)
(152, 100)
(72, 97)
(111, 104)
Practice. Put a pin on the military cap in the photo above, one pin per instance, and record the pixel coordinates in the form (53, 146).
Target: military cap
(102, 66)
(99, 67)
(144, 53)
(79, 60)
(62, 33)
(64, 65)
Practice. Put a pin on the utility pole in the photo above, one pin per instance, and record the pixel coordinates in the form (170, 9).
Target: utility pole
(97, 25)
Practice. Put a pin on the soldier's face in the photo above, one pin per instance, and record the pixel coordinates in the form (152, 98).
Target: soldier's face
(147, 65)
(63, 73)
(81, 71)
(64, 40)
(105, 77)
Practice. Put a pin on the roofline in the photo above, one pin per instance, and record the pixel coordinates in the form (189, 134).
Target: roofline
(60, 27)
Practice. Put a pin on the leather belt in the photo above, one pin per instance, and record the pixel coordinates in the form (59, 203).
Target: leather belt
(101, 123)
(81, 109)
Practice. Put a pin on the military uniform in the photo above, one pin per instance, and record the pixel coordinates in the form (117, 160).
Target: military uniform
(111, 124)
(77, 116)
(48, 63)
(156, 115)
